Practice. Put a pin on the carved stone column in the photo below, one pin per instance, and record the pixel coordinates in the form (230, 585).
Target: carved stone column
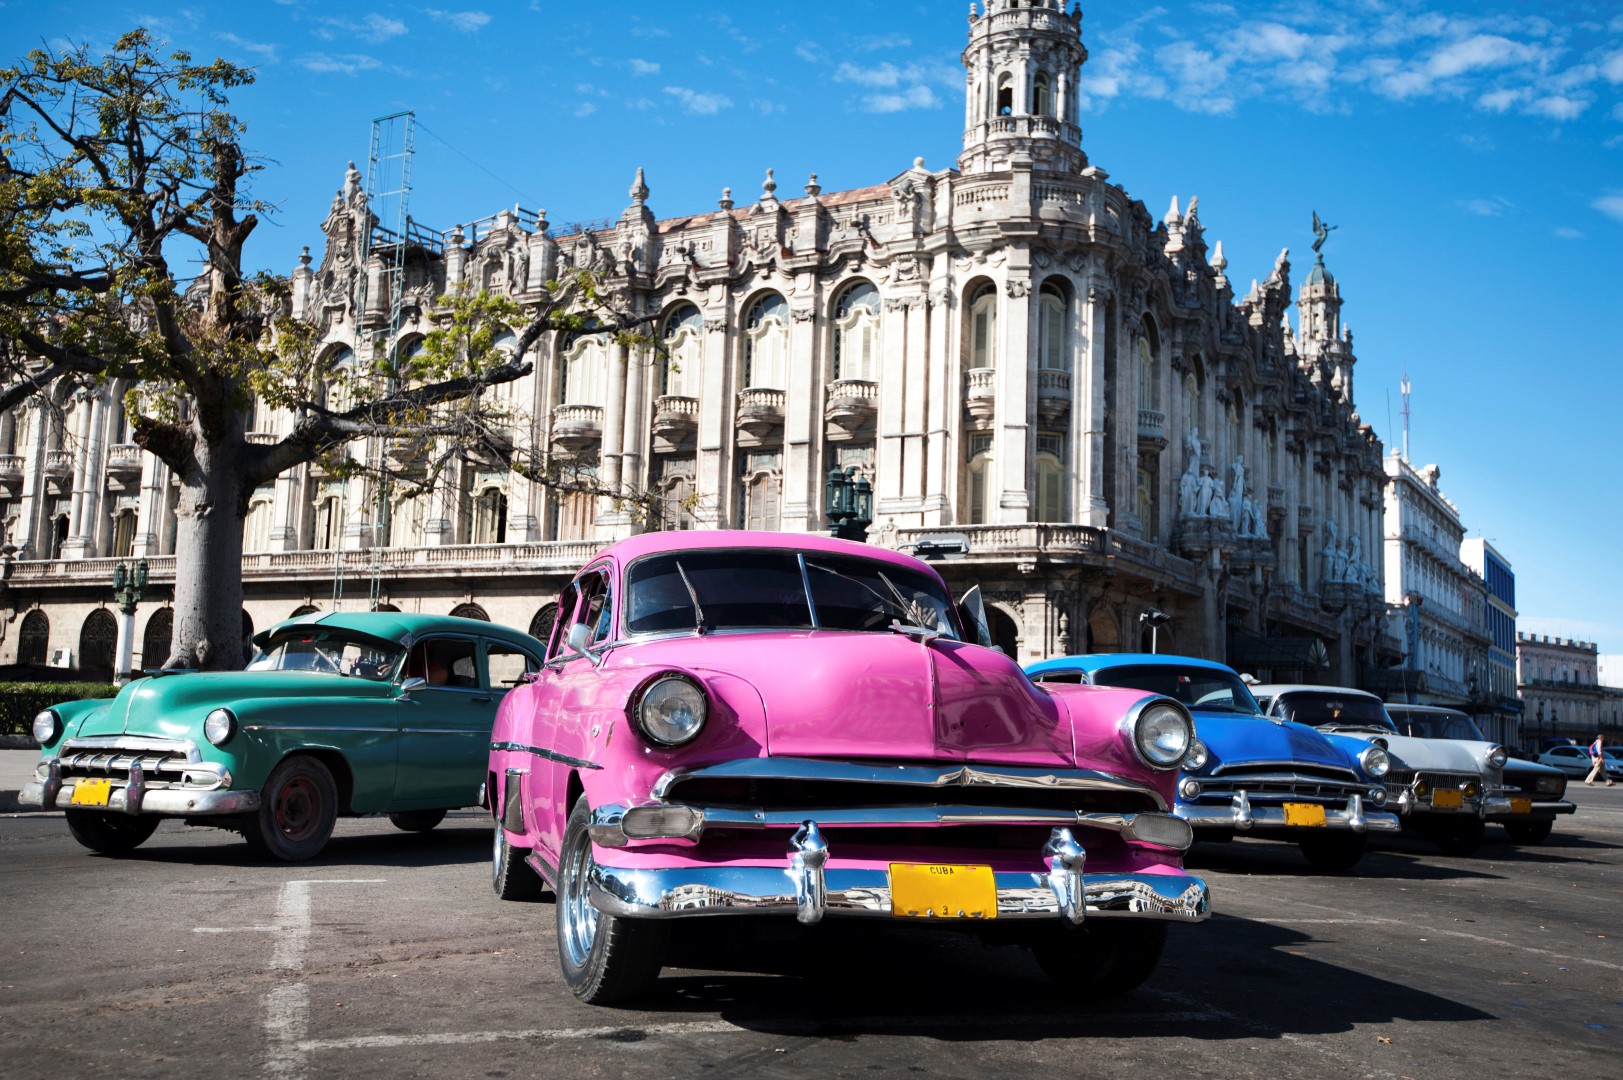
(1088, 396)
(1012, 446)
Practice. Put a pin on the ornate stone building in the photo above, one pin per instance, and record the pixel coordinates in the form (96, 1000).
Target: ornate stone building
(1063, 396)
(1562, 690)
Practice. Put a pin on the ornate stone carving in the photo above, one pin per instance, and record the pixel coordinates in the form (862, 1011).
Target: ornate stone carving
(1017, 288)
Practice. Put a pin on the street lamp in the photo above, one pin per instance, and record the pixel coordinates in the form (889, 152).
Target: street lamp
(848, 504)
(128, 587)
(1157, 619)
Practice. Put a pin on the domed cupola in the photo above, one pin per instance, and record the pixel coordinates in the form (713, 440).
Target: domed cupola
(1023, 61)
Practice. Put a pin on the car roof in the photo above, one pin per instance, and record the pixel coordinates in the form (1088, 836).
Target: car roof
(401, 627)
(1099, 661)
(1276, 689)
(653, 543)
(1428, 710)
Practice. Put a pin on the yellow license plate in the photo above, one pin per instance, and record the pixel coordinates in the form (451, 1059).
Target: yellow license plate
(938, 891)
(1446, 799)
(1521, 806)
(1304, 813)
(91, 792)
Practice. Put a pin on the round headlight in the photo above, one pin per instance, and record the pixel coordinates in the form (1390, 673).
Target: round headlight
(1197, 757)
(1497, 757)
(219, 726)
(1375, 761)
(671, 710)
(1162, 734)
(46, 728)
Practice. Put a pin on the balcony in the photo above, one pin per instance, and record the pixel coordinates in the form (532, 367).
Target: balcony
(852, 405)
(59, 463)
(1276, 498)
(1152, 428)
(262, 438)
(11, 468)
(1006, 541)
(124, 460)
(675, 418)
(980, 396)
(760, 412)
(1305, 521)
(576, 426)
(1053, 395)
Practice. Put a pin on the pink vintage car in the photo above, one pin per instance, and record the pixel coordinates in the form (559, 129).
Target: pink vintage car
(737, 723)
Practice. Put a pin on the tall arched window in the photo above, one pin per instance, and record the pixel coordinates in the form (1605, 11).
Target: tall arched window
(978, 483)
(34, 638)
(341, 379)
(97, 640)
(1053, 321)
(489, 524)
(328, 531)
(584, 370)
(124, 532)
(1042, 96)
(983, 327)
(256, 529)
(1005, 94)
(766, 343)
(856, 333)
(760, 503)
(683, 340)
(407, 518)
(1149, 386)
(1050, 501)
(156, 640)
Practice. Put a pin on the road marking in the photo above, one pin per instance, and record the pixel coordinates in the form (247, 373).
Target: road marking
(235, 929)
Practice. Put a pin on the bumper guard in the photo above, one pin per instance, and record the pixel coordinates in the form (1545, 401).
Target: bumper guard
(1243, 816)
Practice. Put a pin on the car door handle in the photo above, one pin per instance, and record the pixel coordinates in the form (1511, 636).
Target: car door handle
(486, 700)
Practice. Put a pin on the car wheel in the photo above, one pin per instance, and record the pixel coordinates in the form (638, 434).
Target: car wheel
(110, 834)
(1460, 838)
(604, 959)
(1101, 959)
(510, 875)
(1530, 832)
(1335, 851)
(416, 820)
(297, 809)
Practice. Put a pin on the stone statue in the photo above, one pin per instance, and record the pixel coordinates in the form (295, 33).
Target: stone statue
(1237, 485)
(352, 182)
(1219, 507)
(518, 269)
(1355, 560)
(1189, 482)
(1250, 525)
(1321, 232)
(1335, 561)
(1209, 492)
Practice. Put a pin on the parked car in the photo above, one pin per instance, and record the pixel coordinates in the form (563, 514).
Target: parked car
(1253, 776)
(1443, 789)
(1534, 791)
(1575, 761)
(745, 723)
(338, 714)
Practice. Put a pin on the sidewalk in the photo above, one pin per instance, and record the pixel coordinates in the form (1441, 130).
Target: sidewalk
(16, 769)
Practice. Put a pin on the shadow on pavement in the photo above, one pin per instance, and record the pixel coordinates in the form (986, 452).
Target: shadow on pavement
(1417, 861)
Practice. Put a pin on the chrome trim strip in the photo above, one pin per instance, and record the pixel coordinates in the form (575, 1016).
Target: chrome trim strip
(920, 776)
(321, 727)
(106, 743)
(177, 802)
(550, 755)
(1289, 766)
(1285, 777)
(548, 872)
(1540, 809)
(1245, 816)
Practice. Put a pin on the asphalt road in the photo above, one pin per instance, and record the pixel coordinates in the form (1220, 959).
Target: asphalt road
(391, 957)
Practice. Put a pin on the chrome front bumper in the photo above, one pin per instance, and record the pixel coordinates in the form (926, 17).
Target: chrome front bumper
(136, 797)
(1242, 816)
(806, 887)
(1540, 809)
(1410, 804)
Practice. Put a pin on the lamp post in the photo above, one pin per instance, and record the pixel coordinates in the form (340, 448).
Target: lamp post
(128, 587)
(1157, 619)
(1541, 727)
(848, 504)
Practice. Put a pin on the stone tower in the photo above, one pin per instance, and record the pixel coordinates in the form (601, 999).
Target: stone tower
(1323, 341)
(1022, 64)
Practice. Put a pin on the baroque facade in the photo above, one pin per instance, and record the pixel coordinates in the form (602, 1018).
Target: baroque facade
(1560, 683)
(1064, 396)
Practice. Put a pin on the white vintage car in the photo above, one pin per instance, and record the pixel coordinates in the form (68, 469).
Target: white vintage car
(1444, 789)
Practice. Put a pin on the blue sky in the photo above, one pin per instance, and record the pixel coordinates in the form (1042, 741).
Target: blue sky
(1471, 156)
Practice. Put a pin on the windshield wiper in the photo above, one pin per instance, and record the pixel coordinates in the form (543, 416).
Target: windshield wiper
(1353, 727)
(693, 594)
(912, 611)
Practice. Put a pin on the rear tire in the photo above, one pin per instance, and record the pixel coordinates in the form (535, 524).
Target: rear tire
(110, 834)
(1336, 852)
(297, 810)
(416, 820)
(1530, 832)
(510, 875)
(1460, 838)
(605, 959)
(1101, 959)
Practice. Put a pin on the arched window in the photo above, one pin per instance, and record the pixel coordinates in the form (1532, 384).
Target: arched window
(1053, 320)
(407, 518)
(683, 343)
(856, 333)
(1149, 386)
(34, 638)
(328, 531)
(97, 640)
(155, 642)
(541, 626)
(341, 379)
(504, 395)
(489, 516)
(1145, 499)
(978, 508)
(574, 511)
(256, 529)
(1050, 505)
(124, 533)
(584, 370)
(1005, 94)
(303, 609)
(983, 327)
(761, 495)
(766, 343)
(470, 611)
(1042, 97)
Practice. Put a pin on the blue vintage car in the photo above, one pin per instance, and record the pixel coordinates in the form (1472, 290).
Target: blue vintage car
(1253, 776)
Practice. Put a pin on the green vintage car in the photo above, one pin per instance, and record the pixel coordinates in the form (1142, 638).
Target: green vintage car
(364, 713)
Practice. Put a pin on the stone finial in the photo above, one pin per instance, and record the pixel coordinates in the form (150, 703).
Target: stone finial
(974, 16)
(918, 163)
(1174, 215)
(541, 224)
(1220, 261)
(304, 258)
(726, 200)
(769, 185)
(639, 189)
(812, 186)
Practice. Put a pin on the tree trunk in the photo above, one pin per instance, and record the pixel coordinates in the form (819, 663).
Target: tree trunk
(208, 556)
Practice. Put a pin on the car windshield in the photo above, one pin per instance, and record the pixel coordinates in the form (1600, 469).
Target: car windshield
(329, 650)
(1336, 712)
(1439, 726)
(768, 590)
(1196, 687)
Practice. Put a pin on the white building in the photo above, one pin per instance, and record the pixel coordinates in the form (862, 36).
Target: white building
(1032, 372)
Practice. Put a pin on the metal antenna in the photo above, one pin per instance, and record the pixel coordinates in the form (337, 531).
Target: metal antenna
(1407, 386)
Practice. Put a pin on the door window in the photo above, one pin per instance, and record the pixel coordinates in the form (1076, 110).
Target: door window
(506, 664)
(444, 662)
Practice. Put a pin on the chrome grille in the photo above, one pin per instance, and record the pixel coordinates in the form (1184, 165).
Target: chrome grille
(162, 761)
(1304, 782)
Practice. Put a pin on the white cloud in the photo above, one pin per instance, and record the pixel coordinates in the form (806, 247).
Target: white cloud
(767, 108)
(1610, 205)
(1569, 234)
(465, 21)
(1499, 100)
(914, 97)
(644, 67)
(1493, 206)
(905, 86)
(1611, 65)
(1477, 52)
(809, 52)
(585, 108)
(889, 41)
(698, 103)
(373, 27)
(264, 50)
(1557, 107)
(348, 64)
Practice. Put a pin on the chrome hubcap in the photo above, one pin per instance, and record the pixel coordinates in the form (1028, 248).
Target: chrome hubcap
(496, 857)
(577, 917)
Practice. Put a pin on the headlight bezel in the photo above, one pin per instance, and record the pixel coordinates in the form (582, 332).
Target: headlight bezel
(1375, 761)
(1497, 756)
(213, 721)
(52, 727)
(1198, 756)
(640, 701)
(1137, 725)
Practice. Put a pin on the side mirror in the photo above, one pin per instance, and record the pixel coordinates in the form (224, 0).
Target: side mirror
(580, 636)
(972, 611)
(413, 683)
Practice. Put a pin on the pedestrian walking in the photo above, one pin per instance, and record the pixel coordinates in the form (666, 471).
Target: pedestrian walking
(1597, 751)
